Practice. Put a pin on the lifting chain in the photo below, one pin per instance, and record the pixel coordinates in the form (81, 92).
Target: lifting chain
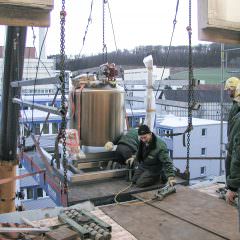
(104, 49)
(63, 98)
(190, 89)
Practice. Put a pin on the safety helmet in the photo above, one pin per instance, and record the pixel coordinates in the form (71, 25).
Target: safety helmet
(232, 83)
(237, 93)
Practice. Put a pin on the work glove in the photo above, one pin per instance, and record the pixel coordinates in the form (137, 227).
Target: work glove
(230, 196)
(171, 181)
(130, 161)
(109, 146)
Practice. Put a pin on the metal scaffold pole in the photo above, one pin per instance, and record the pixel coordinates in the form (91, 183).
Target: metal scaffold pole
(221, 125)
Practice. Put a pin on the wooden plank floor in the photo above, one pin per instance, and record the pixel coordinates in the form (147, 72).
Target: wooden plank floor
(188, 214)
(118, 232)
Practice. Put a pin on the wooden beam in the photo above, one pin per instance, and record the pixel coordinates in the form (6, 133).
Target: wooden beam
(219, 21)
(41, 4)
(25, 12)
(92, 176)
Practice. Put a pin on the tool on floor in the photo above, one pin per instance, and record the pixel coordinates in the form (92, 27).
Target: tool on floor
(164, 192)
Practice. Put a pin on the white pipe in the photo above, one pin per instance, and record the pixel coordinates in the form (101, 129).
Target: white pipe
(150, 99)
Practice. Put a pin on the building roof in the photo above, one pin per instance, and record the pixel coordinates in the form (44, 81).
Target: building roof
(26, 116)
(199, 95)
(38, 203)
(174, 121)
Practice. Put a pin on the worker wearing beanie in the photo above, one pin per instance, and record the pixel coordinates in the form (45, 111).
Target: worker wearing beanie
(153, 160)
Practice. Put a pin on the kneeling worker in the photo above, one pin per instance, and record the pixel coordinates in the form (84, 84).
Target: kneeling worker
(153, 160)
(127, 145)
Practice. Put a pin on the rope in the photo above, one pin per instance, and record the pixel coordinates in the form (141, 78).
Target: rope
(86, 30)
(34, 38)
(133, 203)
(46, 119)
(104, 49)
(114, 36)
(36, 76)
(169, 47)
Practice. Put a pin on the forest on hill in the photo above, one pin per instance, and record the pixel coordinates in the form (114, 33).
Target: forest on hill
(203, 56)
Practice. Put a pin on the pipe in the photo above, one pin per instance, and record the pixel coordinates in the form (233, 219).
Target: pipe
(150, 99)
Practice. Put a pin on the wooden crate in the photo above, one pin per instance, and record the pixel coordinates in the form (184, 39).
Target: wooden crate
(25, 12)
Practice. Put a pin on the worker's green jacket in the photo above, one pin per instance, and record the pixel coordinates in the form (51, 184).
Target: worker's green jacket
(130, 139)
(155, 158)
(233, 178)
(233, 111)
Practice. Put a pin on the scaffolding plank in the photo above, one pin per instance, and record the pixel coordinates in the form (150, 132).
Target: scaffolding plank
(31, 82)
(145, 222)
(200, 209)
(164, 102)
(40, 107)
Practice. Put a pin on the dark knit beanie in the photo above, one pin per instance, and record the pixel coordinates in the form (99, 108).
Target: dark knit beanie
(143, 129)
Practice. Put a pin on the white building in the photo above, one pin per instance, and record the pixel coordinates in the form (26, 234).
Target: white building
(204, 142)
(142, 74)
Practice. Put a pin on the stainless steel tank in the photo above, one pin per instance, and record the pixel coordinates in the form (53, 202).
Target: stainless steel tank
(98, 114)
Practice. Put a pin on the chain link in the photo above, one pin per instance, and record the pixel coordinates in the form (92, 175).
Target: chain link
(190, 90)
(63, 98)
(104, 49)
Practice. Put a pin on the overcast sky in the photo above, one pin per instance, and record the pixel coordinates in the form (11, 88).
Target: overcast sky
(136, 23)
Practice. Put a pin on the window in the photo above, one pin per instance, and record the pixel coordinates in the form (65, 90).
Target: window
(45, 128)
(203, 170)
(130, 93)
(204, 131)
(203, 151)
(36, 128)
(29, 193)
(39, 192)
(167, 133)
(54, 127)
